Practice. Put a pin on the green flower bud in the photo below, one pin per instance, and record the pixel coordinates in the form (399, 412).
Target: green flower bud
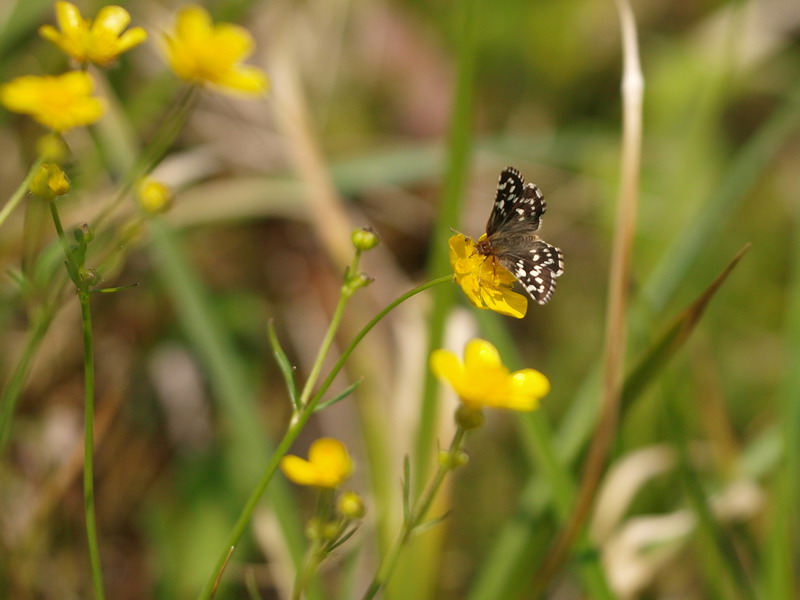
(83, 234)
(364, 239)
(90, 276)
(468, 417)
(357, 282)
(351, 506)
(453, 461)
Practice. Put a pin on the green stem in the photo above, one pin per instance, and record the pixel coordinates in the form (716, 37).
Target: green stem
(88, 449)
(20, 192)
(368, 327)
(88, 375)
(308, 405)
(416, 516)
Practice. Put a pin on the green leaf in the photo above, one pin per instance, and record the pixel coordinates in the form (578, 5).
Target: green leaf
(342, 395)
(287, 370)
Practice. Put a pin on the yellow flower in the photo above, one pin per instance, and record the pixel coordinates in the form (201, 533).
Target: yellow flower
(97, 41)
(328, 465)
(483, 380)
(486, 283)
(59, 102)
(154, 196)
(201, 52)
(50, 181)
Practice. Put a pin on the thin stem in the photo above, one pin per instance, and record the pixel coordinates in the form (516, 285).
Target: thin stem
(368, 327)
(88, 449)
(20, 192)
(415, 518)
(84, 296)
(308, 404)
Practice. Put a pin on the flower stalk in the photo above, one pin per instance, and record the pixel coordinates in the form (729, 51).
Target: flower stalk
(416, 516)
(83, 285)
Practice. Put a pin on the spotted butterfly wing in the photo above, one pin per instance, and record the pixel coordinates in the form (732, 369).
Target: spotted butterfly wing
(518, 206)
(511, 236)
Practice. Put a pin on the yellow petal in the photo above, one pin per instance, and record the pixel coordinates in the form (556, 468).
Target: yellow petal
(299, 470)
(69, 18)
(480, 355)
(50, 33)
(248, 80)
(445, 365)
(77, 82)
(129, 39)
(331, 460)
(111, 19)
(194, 23)
(234, 41)
(507, 302)
(530, 381)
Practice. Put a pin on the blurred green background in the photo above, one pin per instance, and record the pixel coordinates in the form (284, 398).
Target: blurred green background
(354, 132)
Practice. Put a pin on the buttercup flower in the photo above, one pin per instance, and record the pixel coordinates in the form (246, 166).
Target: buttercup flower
(328, 465)
(486, 283)
(203, 53)
(58, 102)
(100, 41)
(482, 379)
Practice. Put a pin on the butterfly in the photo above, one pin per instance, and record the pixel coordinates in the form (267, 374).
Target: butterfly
(511, 236)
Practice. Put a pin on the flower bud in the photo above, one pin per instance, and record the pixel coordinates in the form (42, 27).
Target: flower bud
(357, 282)
(351, 506)
(90, 276)
(453, 461)
(83, 234)
(50, 181)
(154, 196)
(364, 239)
(468, 417)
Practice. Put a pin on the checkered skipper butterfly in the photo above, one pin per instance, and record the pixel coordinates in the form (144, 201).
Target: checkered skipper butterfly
(511, 238)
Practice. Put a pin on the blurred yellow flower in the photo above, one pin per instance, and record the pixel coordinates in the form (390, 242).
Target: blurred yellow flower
(486, 283)
(50, 181)
(201, 52)
(100, 41)
(154, 196)
(59, 102)
(328, 465)
(483, 380)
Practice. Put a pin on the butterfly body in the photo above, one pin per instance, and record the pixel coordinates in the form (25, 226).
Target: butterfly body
(511, 236)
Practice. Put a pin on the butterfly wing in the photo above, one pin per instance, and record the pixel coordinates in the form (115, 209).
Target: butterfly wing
(536, 265)
(518, 206)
